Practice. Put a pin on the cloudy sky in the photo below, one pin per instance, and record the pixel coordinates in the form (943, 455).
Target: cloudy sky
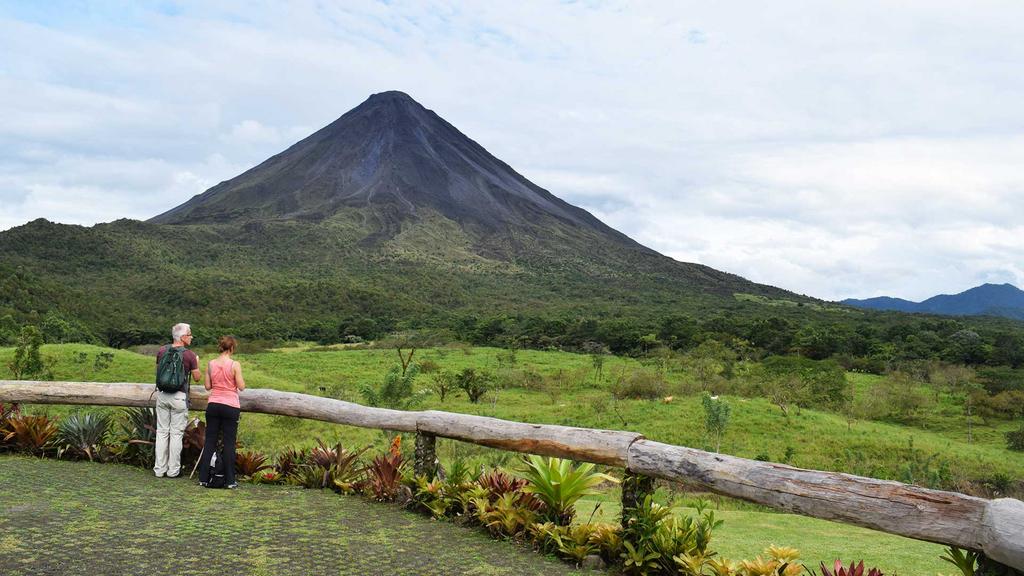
(836, 149)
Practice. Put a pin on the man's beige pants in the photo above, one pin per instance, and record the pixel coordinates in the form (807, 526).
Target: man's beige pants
(171, 419)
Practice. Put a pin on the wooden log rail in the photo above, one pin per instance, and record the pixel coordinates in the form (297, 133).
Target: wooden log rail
(995, 527)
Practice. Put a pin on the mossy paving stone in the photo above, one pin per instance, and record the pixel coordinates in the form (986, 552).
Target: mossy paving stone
(78, 518)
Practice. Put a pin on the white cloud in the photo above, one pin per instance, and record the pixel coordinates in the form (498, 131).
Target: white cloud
(815, 146)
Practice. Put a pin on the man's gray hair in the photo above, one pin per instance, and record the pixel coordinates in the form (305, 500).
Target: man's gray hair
(179, 331)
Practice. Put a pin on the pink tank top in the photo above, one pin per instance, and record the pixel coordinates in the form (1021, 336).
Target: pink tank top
(222, 378)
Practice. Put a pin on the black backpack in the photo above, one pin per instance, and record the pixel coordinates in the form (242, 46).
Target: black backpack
(170, 371)
(217, 470)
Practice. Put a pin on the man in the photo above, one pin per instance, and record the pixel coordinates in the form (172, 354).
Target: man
(172, 407)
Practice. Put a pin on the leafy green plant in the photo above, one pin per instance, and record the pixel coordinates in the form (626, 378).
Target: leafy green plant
(28, 363)
(139, 428)
(397, 391)
(965, 560)
(853, 570)
(248, 463)
(716, 417)
(83, 435)
(443, 384)
(505, 516)
(475, 383)
(560, 484)
(31, 433)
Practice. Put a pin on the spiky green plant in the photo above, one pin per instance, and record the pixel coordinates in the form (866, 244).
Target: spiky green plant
(139, 429)
(83, 434)
(560, 484)
(964, 560)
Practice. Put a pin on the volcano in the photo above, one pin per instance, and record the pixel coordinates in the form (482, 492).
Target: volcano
(396, 158)
(388, 217)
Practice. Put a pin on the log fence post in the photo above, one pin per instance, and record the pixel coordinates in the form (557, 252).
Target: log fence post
(635, 488)
(426, 455)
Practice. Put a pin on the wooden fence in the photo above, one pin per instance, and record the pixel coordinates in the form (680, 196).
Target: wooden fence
(994, 527)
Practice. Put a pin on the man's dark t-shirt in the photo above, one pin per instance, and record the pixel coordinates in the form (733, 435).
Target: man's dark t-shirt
(188, 359)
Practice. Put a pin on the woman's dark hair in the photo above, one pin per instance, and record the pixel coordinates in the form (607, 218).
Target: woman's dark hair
(227, 344)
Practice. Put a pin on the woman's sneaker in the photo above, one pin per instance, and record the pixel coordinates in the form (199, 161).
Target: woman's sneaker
(231, 486)
(203, 484)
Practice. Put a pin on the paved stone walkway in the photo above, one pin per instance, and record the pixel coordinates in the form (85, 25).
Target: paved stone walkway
(78, 518)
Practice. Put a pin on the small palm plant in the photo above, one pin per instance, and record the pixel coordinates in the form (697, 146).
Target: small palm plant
(560, 484)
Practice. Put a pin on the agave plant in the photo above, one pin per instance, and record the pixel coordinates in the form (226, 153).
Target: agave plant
(250, 462)
(853, 570)
(560, 484)
(83, 435)
(32, 434)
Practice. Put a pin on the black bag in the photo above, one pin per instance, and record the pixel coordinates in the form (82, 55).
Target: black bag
(170, 372)
(217, 471)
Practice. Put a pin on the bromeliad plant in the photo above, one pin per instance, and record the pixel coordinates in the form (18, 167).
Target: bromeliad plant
(83, 435)
(559, 485)
(139, 429)
(853, 570)
(965, 560)
(7, 411)
(249, 463)
(333, 467)
(31, 434)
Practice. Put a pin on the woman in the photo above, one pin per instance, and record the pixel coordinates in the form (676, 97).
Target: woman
(224, 381)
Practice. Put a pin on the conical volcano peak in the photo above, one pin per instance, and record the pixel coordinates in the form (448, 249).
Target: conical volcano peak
(392, 160)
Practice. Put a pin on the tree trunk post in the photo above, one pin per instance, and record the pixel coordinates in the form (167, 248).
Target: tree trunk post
(426, 454)
(989, 567)
(635, 487)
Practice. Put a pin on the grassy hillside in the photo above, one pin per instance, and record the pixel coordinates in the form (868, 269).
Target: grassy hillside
(577, 397)
(813, 439)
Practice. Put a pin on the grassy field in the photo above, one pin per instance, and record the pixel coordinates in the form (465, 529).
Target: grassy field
(812, 439)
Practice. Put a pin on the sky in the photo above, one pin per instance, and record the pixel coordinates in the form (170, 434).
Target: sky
(835, 149)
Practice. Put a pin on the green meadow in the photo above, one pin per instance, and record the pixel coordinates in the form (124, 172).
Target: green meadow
(565, 388)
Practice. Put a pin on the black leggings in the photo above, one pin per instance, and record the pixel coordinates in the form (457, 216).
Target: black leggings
(220, 419)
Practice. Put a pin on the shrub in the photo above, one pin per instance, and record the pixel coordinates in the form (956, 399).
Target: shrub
(397, 391)
(716, 417)
(27, 363)
(83, 435)
(7, 411)
(640, 385)
(475, 383)
(1015, 439)
(560, 484)
(443, 384)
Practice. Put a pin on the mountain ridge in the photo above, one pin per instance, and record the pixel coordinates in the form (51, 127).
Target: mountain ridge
(985, 300)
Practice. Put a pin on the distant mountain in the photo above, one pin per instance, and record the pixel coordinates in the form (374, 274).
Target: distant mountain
(986, 300)
(389, 217)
